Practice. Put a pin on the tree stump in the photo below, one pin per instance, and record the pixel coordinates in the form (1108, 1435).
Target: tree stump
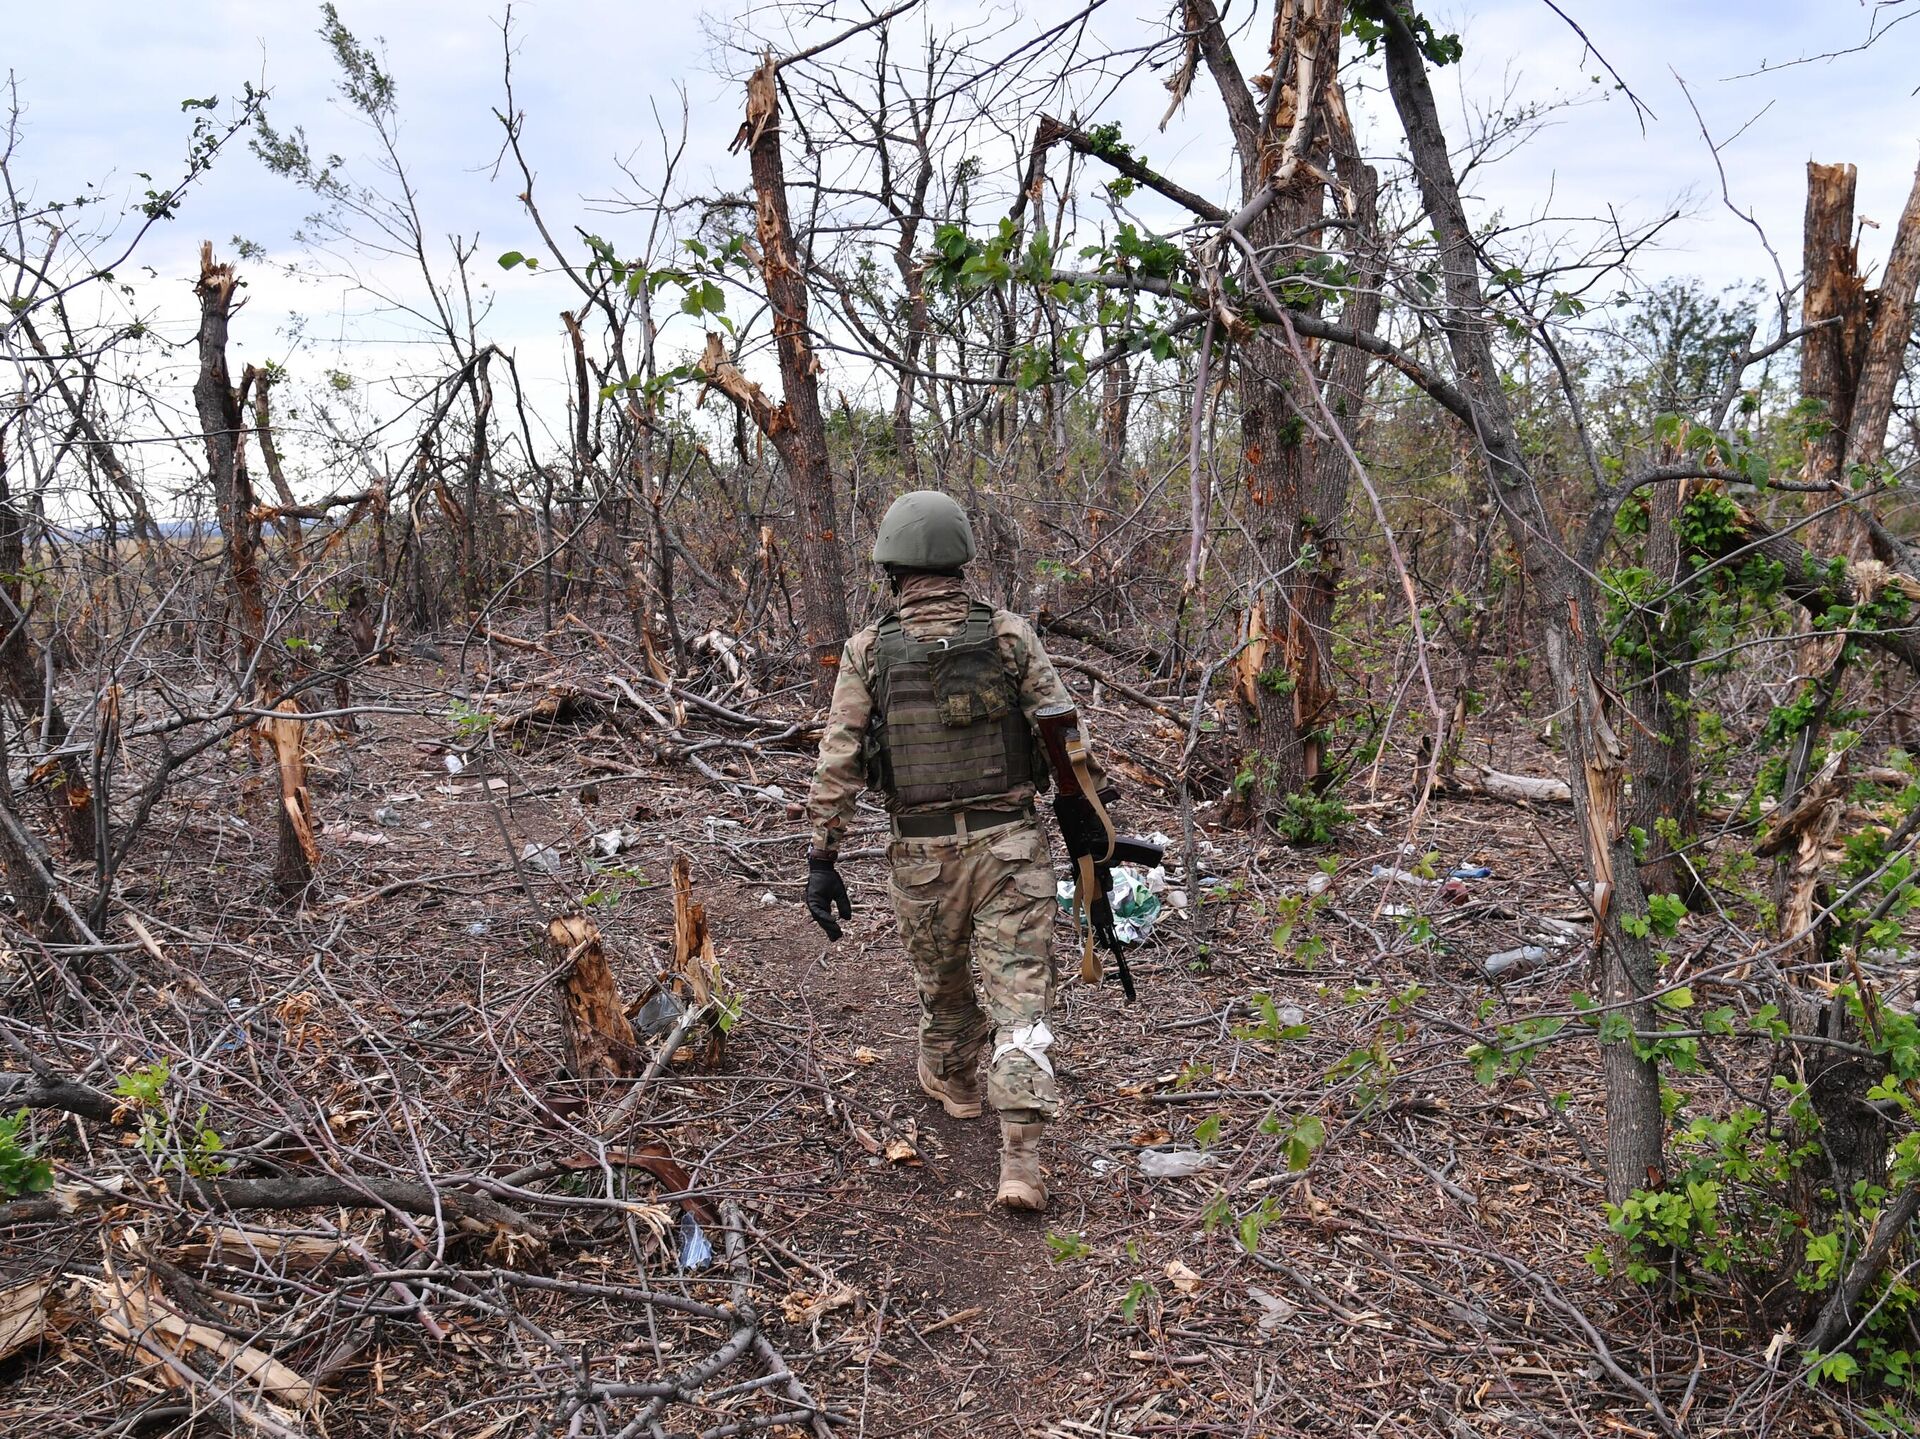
(593, 1020)
(297, 850)
(693, 958)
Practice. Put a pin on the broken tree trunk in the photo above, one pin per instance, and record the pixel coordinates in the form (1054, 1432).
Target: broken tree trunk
(298, 850)
(1886, 344)
(593, 1020)
(1573, 631)
(1297, 474)
(796, 426)
(223, 426)
(1835, 301)
(693, 959)
(1851, 367)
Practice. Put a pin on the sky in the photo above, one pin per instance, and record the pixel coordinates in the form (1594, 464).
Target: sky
(101, 82)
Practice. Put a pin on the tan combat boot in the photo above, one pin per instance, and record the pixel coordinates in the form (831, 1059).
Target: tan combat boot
(959, 1096)
(1021, 1186)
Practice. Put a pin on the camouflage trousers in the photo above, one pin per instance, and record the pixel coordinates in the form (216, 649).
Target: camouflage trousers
(982, 901)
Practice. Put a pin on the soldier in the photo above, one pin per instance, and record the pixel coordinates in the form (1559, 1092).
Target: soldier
(933, 708)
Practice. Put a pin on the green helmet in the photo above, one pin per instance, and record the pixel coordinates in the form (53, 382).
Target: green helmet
(924, 530)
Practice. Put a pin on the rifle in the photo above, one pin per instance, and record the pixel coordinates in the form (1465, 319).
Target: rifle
(1065, 740)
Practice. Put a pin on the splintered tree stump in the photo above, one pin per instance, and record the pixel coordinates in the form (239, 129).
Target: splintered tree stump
(693, 957)
(297, 851)
(593, 1020)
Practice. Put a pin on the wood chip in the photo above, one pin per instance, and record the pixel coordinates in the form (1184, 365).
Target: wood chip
(1184, 1279)
(26, 1315)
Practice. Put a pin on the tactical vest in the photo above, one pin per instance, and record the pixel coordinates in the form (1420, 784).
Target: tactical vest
(947, 723)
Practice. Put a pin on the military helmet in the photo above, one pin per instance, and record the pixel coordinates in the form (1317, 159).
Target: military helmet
(924, 530)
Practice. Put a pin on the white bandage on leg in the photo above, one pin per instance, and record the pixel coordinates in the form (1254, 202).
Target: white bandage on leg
(1031, 1040)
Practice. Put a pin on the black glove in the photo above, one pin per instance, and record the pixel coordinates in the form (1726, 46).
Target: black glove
(825, 889)
(1080, 827)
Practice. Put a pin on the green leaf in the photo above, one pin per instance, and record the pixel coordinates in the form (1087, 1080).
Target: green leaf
(1064, 1247)
(512, 258)
(1308, 1134)
(1840, 1368)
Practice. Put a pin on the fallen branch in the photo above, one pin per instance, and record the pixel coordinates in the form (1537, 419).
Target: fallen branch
(472, 1212)
(1138, 696)
(1836, 1318)
(1512, 788)
(33, 1091)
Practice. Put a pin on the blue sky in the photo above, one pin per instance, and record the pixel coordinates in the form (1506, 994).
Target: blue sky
(101, 81)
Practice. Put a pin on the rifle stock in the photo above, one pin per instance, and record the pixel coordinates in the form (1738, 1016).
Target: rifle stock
(1059, 730)
(1066, 746)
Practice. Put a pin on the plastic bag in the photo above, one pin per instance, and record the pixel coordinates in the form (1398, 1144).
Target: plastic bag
(696, 1250)
(1173, 1163)
(1136, 908)
(541, 858)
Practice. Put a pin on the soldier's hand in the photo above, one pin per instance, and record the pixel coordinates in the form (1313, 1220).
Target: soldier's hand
(825, 889)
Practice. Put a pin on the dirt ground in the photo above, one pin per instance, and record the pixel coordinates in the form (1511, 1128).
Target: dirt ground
(1419, 1272)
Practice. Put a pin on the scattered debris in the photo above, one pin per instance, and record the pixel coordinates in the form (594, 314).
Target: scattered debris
(1173, 1163)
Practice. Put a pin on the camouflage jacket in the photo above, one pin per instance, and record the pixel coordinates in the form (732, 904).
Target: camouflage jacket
(930, 606)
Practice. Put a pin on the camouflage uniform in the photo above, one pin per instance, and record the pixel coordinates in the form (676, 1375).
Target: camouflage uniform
(986, 896)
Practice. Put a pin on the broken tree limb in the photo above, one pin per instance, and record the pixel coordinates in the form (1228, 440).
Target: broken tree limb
(1055, 624)
(26, 1315)
(1119, 687)
(134, 1313)
(35, 1091)
(130, 1306)
(473, 1213)
(1513, 788)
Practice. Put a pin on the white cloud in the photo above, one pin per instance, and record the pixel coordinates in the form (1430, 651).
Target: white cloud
(103, 80)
